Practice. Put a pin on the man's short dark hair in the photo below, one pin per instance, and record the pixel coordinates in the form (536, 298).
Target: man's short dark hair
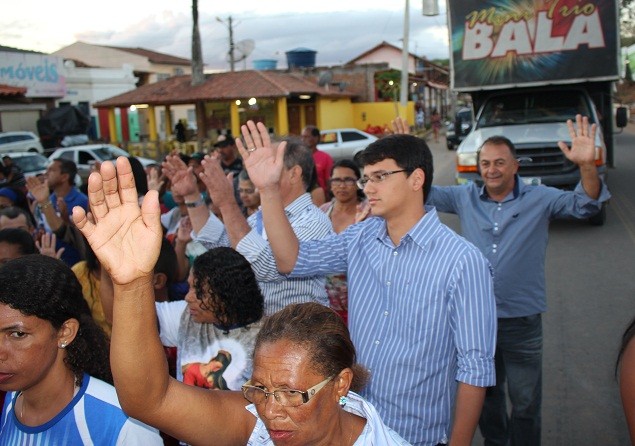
(313, 129)
(297, 154)
(13, 212)
(20, 238)
(496, 140)
(408, 151)
(68, 167)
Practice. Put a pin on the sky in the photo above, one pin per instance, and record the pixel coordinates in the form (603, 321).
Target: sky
(338, 30)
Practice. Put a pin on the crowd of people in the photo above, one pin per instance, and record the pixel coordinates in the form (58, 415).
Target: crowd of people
(283, 298)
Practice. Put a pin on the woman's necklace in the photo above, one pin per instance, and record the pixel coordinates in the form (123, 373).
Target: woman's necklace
(22, 402)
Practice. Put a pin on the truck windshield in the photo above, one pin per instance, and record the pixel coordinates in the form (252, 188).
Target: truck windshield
(526, 108)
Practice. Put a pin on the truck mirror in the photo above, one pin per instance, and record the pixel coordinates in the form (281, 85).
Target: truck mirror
(621, 117)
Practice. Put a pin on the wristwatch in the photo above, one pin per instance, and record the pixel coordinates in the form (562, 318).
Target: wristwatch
(195, 204)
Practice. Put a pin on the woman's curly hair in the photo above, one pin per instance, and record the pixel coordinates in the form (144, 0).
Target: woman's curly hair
(227, 286)
(44, 287)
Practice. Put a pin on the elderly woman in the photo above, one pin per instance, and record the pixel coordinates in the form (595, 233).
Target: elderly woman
(304, 360)
(54, 363)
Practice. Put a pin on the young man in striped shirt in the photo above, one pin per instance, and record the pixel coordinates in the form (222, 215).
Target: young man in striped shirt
(422, 312)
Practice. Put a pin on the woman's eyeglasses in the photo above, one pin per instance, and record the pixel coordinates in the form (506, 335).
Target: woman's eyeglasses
(284, 397)
(347, 181)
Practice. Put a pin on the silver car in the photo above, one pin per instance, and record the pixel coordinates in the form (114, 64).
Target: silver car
(86, 156)
(344, 143)
(20, 141)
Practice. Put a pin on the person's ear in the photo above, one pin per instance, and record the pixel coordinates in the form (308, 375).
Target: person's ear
(159, 281)
(67, 332)
(343, 382)
(295, 174)
(418, 178)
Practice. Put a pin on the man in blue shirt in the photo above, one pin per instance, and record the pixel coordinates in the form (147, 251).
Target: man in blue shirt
(421, 305)
(55, 199)
(509, 222)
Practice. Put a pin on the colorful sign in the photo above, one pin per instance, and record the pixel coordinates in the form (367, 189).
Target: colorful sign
(498, 43)
(41, 74)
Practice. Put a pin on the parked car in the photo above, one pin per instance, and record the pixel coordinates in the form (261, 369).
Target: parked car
(31, 163)
(344, 143)
(85, 156)
(20, 141)
(466, 122)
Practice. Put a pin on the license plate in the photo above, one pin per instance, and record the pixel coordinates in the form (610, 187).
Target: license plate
(532, 181)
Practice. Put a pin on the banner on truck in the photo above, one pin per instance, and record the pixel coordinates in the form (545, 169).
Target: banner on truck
(498, 43)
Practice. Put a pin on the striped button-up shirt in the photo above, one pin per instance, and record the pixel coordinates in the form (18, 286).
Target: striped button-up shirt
(308, 223)
(422, 316)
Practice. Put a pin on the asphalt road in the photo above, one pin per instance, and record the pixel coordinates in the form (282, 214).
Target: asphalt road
(591, 298)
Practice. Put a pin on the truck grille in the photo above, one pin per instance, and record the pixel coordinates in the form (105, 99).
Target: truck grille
(540, 160)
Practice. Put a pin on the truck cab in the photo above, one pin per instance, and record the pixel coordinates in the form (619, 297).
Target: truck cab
(534, 119)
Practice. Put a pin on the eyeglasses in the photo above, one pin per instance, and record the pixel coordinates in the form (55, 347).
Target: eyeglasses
(246, 191)
(377, 177)
(347, 181)
(284, 397)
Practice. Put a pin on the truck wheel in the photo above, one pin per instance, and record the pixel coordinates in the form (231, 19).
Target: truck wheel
(600, 218)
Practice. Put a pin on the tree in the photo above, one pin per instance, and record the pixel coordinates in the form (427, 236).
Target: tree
(627, 22)
(198, 77)
(197, 55)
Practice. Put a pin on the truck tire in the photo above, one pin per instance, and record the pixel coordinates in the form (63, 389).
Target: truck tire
(600, 218)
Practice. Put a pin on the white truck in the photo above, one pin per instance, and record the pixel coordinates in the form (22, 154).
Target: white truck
(529, 65)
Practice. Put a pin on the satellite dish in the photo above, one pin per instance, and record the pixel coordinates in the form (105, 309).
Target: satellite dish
(325, 78)
(243, 49)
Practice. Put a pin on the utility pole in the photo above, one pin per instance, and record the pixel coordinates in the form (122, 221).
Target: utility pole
(232, 60)
(405, 57)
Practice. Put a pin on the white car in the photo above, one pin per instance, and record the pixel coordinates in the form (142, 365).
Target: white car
(20, 142)
(31, 163)
(86, 156)
(344, 143)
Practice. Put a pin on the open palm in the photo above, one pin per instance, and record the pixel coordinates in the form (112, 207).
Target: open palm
(263, 159)
(125, 238)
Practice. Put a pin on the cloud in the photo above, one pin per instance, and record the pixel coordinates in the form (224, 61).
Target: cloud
(337, 37)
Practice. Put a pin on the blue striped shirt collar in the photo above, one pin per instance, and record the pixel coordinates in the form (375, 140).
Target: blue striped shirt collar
(299, 204)
(421, 233)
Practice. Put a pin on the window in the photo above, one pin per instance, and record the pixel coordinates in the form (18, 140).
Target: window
(328, 138)
(68, 156)
(352, 136)
(85, 157)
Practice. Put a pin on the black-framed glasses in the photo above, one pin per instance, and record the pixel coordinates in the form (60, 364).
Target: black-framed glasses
(377, 177)
(346, 181)
(284, 397)
(246, 191)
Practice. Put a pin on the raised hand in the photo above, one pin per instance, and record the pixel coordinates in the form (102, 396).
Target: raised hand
(263, 160)
(46, 246)
(63, 210)
(400, 126)
(182, 179)
(38, 189)
(155, 180)
(125, 238)
(184, 232)
(219, 185)
(582, 151)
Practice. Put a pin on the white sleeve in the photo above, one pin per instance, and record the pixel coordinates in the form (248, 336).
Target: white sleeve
(169, 318)
(135, 432)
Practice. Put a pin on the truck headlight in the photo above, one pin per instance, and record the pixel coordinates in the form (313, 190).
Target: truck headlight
(466, 162)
